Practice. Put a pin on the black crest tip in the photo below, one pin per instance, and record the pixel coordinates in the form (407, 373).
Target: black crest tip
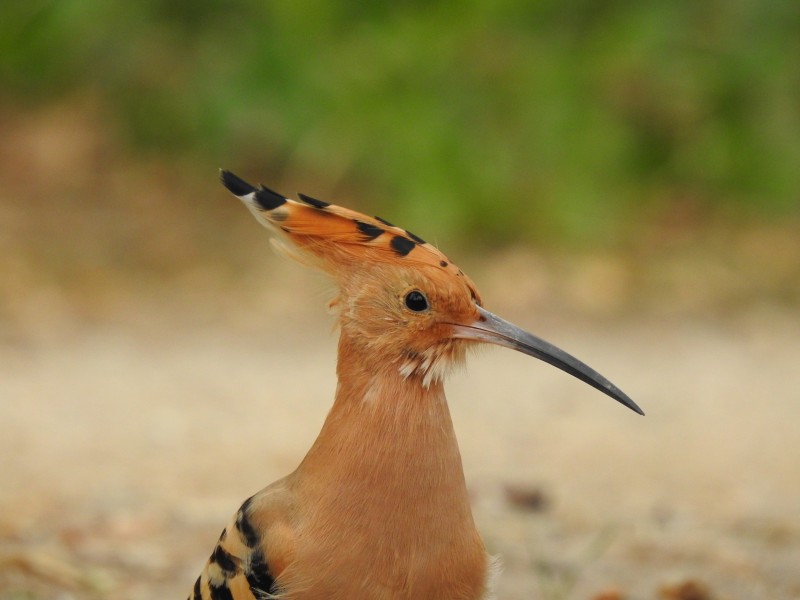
(235, 185)
(268, 199)
(416, 238)
(313, 201)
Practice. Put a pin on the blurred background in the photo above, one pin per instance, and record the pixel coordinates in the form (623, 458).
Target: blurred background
(620, 177)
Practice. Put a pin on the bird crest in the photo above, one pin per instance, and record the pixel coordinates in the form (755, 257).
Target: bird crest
(336, 239)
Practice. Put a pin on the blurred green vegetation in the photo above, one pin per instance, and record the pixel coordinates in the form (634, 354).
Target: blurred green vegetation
(577, 121)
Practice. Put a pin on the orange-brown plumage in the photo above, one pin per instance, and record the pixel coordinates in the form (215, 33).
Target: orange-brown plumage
(378, 508)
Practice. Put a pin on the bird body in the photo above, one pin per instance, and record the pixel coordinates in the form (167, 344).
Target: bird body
(378, 508)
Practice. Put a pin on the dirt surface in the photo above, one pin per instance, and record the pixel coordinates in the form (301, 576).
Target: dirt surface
(156, 368)
(125, 447)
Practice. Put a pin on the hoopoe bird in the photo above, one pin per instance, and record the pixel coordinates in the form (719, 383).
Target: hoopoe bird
(378, 508)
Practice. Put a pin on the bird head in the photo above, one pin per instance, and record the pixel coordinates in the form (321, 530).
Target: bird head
(400, 300)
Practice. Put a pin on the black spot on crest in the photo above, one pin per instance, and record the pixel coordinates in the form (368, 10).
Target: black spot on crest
(442, 263)
(313, 201)
(416, 238)
(235, 185)
(402, 245)
(369, 231)
(384, 221)
(268, 199)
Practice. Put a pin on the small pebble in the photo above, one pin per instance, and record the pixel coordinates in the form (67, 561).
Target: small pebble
(527, 498)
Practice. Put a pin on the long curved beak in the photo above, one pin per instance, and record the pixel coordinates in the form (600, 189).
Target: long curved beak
(494, 330)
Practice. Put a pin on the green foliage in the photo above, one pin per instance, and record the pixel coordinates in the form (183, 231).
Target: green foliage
(553, 119)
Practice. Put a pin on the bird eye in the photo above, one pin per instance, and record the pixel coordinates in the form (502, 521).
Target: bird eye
(416, 301)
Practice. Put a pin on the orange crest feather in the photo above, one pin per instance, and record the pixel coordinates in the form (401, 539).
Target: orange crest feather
(336, 238)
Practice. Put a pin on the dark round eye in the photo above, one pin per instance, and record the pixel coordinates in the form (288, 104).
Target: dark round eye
(416, 301)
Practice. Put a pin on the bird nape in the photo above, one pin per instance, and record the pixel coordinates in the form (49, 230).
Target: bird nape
(378, 508)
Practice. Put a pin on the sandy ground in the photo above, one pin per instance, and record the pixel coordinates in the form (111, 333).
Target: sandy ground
(125, 447)
(154, 372)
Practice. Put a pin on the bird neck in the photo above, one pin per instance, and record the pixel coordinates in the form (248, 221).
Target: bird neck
(388, 438)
